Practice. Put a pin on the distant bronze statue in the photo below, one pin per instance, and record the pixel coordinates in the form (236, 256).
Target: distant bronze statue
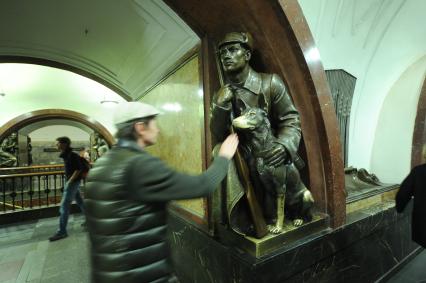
(9, 151)
(269, 131)
(99, 147)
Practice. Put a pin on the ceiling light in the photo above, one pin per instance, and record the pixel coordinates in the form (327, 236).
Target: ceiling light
(109, 103)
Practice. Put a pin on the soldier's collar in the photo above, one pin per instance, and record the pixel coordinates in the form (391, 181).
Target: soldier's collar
(253, 82)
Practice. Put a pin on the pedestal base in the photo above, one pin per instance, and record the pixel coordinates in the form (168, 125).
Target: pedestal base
(376, 237)
(272, 242)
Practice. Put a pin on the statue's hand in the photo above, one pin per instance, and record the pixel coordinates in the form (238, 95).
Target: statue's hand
(224, 96)
(276, 156)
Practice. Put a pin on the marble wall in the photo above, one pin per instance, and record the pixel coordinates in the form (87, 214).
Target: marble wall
(181, 138)
(372, 242)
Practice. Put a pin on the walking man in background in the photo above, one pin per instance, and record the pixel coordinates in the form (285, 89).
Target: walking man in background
(126, 198)
(73, 169)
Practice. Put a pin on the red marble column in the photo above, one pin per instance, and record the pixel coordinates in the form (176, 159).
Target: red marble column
(419, 134)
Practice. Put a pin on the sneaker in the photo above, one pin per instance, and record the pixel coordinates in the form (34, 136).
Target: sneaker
(57, 236)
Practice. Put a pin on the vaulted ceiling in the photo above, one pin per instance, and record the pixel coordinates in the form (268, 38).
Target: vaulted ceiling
(126, 45)
(129, 44)
(376, 41)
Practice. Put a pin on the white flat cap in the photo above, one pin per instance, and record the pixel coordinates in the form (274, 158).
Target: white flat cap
(128, 111)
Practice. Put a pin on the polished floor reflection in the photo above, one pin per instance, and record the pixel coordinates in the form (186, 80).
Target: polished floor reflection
(26, 255)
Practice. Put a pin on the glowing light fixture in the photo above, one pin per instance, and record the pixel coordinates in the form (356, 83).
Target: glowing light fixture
(108, 102)
(172, 107)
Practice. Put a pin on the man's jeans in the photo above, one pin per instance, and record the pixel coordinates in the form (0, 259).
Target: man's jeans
(71, 192)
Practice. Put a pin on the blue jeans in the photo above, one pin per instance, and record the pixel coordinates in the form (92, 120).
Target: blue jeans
(71, 192)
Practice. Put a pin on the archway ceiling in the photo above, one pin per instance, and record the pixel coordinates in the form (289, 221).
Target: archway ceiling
(374, 40)
(51, 122)
(129, 44)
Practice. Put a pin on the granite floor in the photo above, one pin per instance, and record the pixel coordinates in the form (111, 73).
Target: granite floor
(26, 255)
(413, 272)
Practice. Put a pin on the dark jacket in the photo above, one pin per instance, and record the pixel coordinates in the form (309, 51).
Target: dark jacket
(72, 163)
(126, 196)
(415, 186)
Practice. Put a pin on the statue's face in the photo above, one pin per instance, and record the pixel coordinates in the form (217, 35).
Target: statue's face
(234, 57)
(13, 136)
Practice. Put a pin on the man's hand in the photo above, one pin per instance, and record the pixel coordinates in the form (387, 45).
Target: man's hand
(224, 96)
(276, 156)
(229, 146)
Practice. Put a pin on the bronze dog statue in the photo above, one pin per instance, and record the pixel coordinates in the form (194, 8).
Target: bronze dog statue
(281, 183)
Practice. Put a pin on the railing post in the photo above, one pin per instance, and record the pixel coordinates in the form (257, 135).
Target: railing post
(3, 181)
(39, 190)
(22, 192)
(13, 194)
(31, 191)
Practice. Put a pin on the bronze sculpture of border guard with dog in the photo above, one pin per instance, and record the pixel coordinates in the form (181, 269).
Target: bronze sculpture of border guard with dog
(245, 88)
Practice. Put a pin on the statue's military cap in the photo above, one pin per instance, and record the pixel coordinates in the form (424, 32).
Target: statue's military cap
(237, 37)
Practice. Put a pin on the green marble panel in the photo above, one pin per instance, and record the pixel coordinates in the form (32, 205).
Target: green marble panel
(180, 98)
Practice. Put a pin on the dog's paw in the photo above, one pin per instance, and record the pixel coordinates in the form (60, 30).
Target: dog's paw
(274, 229)
(297, 222)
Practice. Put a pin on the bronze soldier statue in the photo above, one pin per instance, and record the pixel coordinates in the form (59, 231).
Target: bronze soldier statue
(244, 89)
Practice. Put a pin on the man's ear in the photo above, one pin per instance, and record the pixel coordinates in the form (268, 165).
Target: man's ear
(139, 127)
(248, 55)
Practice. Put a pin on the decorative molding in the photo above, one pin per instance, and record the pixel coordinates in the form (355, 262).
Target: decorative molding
(375, 23)
(383, 33)
(337, 17)
(21, 48)
(169, 36)
(182, 61)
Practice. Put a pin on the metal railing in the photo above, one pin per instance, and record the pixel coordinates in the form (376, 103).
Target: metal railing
(31, 187)
(31, 169)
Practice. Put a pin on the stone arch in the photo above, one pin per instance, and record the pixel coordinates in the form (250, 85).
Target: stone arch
(52, 114)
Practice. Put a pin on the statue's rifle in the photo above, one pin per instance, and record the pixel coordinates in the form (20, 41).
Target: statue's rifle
(259, 223)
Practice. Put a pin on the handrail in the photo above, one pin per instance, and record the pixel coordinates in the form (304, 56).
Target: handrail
(31, 189)
(32, 167)
(32, 174)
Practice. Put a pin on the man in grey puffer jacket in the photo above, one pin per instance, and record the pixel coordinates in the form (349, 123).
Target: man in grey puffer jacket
(127, 192)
